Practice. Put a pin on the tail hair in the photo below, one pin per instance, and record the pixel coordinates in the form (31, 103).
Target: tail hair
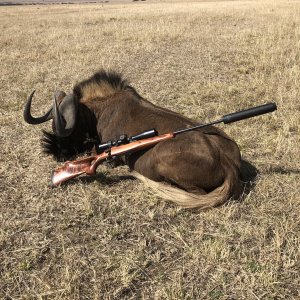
(189, 200)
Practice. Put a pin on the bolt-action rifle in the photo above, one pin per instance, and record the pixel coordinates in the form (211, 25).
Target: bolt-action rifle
(144, 140)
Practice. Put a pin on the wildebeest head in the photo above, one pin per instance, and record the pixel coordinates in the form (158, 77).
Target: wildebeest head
(73, 125)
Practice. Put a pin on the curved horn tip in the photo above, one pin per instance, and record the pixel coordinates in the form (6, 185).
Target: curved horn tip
(28, 118)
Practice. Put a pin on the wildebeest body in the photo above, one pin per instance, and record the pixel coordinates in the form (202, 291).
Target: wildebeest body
(203, 163)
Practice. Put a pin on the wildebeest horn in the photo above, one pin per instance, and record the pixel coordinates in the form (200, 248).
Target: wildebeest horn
(32, 120)
(64, 117)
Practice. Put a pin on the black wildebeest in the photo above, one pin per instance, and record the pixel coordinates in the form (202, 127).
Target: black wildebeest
(201, 167)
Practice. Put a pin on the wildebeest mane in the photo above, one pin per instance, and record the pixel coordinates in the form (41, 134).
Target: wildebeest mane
(100, 85)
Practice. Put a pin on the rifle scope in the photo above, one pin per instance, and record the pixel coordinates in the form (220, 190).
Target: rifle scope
(123, 139)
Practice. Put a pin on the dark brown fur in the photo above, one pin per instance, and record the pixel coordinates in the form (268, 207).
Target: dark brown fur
(198, 162)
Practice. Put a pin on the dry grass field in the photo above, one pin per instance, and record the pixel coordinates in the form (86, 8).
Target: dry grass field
(108, 237)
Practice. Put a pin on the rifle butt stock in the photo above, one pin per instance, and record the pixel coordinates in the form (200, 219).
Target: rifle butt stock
(71, 169)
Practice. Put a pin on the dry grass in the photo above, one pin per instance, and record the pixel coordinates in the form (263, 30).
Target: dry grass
(108, 237)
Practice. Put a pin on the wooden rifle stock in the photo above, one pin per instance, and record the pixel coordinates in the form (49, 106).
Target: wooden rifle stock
(88, 165)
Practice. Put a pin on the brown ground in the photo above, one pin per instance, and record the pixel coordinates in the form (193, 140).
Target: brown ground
(108, 237)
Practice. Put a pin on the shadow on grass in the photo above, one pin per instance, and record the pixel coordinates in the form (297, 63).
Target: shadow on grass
(249, 175)
(281, 170)
(101, 178)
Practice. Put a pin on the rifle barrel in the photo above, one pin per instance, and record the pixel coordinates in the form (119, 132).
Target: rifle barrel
(197, 127)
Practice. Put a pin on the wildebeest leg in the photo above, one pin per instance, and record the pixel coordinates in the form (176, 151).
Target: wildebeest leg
(143, 163)
(198, 173)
